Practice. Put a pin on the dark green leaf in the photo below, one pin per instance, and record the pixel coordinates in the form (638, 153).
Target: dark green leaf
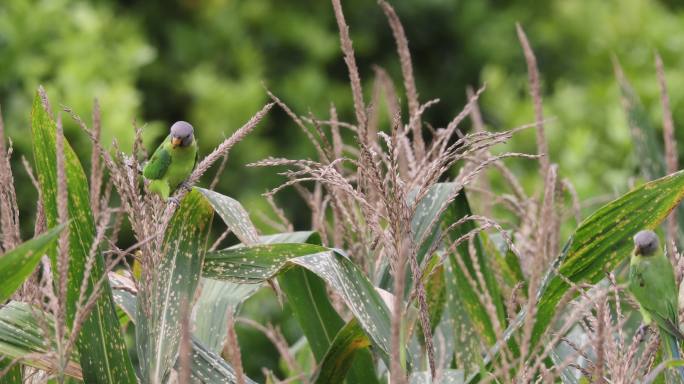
(17, 264)
(470, 296)
(339, 357)
(100, 342)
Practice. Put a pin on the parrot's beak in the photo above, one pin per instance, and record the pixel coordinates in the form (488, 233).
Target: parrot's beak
(176, 141)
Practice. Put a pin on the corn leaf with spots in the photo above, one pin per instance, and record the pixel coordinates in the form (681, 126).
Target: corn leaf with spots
(599, 243)
(466, 267)
(207, 366)
(21, 337)
(254, 264)
(216, 297)
(104, 355)
(449, 376)
(308, 299)
(234, 215)
(17, 264)
(173, 283)
(211, 310)
(341, 354)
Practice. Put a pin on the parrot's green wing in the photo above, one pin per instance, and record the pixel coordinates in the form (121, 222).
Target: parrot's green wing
(159, 163)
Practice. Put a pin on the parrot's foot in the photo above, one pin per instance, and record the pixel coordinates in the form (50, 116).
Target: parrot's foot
(174, 200)
(641, 332)
(185, 185)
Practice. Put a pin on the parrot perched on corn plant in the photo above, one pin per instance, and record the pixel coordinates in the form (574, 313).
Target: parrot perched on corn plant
(173, 161)
(652, 282)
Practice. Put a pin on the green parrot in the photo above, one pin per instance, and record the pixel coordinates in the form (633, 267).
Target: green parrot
(173, 161)
(652, 282)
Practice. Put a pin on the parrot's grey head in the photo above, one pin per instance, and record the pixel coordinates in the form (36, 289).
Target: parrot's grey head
(645, 243)
(181, 134)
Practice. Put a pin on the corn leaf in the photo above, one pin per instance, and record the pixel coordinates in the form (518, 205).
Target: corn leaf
(22, 338)
(207, 366)
(339, 357)
(233, 214)
(105, 359)
(258, 263)
(17, 264)
(464, 266)
(175, 280)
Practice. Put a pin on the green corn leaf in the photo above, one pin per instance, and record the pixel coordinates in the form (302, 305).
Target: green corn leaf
(469, 295)
(13, 374)
(234, 215)
(105, 359)
(339, 357)
(207, 366)
(599, 243)
(257, 263)
(175, 280)
(211, 310)
(468, 355)
(311, 307)
(17, 264)
(217, 296)
(22, 337)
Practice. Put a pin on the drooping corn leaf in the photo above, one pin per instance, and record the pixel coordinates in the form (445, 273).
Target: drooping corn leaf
(341, 353)
(599, 243)
(105, 359)
(308, 299)
(207, 366)
(605, 238)
(17, 264)
(22, 337)
(234, 215)
(173, 283)
(260, 262)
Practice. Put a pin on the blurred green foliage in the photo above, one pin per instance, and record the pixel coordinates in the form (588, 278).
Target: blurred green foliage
(155, 62)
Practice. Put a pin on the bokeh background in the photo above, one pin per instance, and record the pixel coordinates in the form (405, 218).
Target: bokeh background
(209, 62)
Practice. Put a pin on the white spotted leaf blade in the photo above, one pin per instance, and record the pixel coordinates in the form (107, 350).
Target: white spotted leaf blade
(104, 355)
(257, 263)
(308, 299)
(207, 366)
(174, 282)
(210, 312)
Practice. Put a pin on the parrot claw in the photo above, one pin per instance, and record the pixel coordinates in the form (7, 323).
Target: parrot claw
(185, 185)
(174, 200)
(641, 331)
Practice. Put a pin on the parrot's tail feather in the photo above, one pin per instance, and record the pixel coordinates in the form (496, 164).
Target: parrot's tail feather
(671, 348)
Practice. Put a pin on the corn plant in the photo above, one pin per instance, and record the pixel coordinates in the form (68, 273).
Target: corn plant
(412, 271)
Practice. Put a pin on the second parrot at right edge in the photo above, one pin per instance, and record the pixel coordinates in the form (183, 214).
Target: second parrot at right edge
(652, 282)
